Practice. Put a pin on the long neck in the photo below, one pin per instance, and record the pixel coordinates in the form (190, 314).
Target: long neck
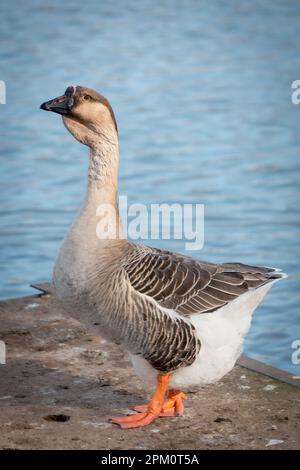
(100, 208)
(103, 173)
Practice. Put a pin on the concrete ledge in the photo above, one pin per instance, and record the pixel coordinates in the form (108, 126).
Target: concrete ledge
(269, 371)
(61, 384)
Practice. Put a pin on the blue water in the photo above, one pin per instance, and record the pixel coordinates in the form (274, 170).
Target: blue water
(202, 94)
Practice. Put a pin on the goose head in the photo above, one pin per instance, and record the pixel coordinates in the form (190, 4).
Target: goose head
(86, 114)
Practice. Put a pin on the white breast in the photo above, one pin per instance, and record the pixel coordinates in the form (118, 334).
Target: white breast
(77, 253)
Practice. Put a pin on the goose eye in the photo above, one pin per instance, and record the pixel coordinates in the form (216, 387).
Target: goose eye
(86, 97)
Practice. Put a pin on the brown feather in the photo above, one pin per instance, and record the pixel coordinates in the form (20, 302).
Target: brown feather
(189, 286)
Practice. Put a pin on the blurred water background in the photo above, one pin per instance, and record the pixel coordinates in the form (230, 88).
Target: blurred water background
(202, 94)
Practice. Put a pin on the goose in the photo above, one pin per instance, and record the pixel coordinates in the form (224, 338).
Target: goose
(182, 321)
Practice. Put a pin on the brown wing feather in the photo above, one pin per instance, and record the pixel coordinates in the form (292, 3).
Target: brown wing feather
(189, 286)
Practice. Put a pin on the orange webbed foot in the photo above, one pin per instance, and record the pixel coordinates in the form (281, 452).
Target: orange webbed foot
(135, 421)
(173, 406)
(149, 412)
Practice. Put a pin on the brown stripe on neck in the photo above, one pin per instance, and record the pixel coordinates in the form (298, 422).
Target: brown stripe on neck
(106, 103)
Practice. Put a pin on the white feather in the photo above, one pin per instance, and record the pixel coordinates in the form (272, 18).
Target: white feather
(221, 334)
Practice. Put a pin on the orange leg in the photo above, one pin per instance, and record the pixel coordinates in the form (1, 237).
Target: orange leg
(173, 406)
(153, 409)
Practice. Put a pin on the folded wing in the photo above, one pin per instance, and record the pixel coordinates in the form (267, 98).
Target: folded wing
(189, 286)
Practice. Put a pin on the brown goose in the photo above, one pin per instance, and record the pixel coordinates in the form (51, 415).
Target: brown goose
(182, 320)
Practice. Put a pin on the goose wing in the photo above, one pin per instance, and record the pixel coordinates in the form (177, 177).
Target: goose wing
(189, 286)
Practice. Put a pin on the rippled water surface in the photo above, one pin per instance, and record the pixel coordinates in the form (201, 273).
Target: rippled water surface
(201, 92)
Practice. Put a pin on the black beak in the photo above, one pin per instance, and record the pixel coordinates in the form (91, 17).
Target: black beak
(61, 105)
